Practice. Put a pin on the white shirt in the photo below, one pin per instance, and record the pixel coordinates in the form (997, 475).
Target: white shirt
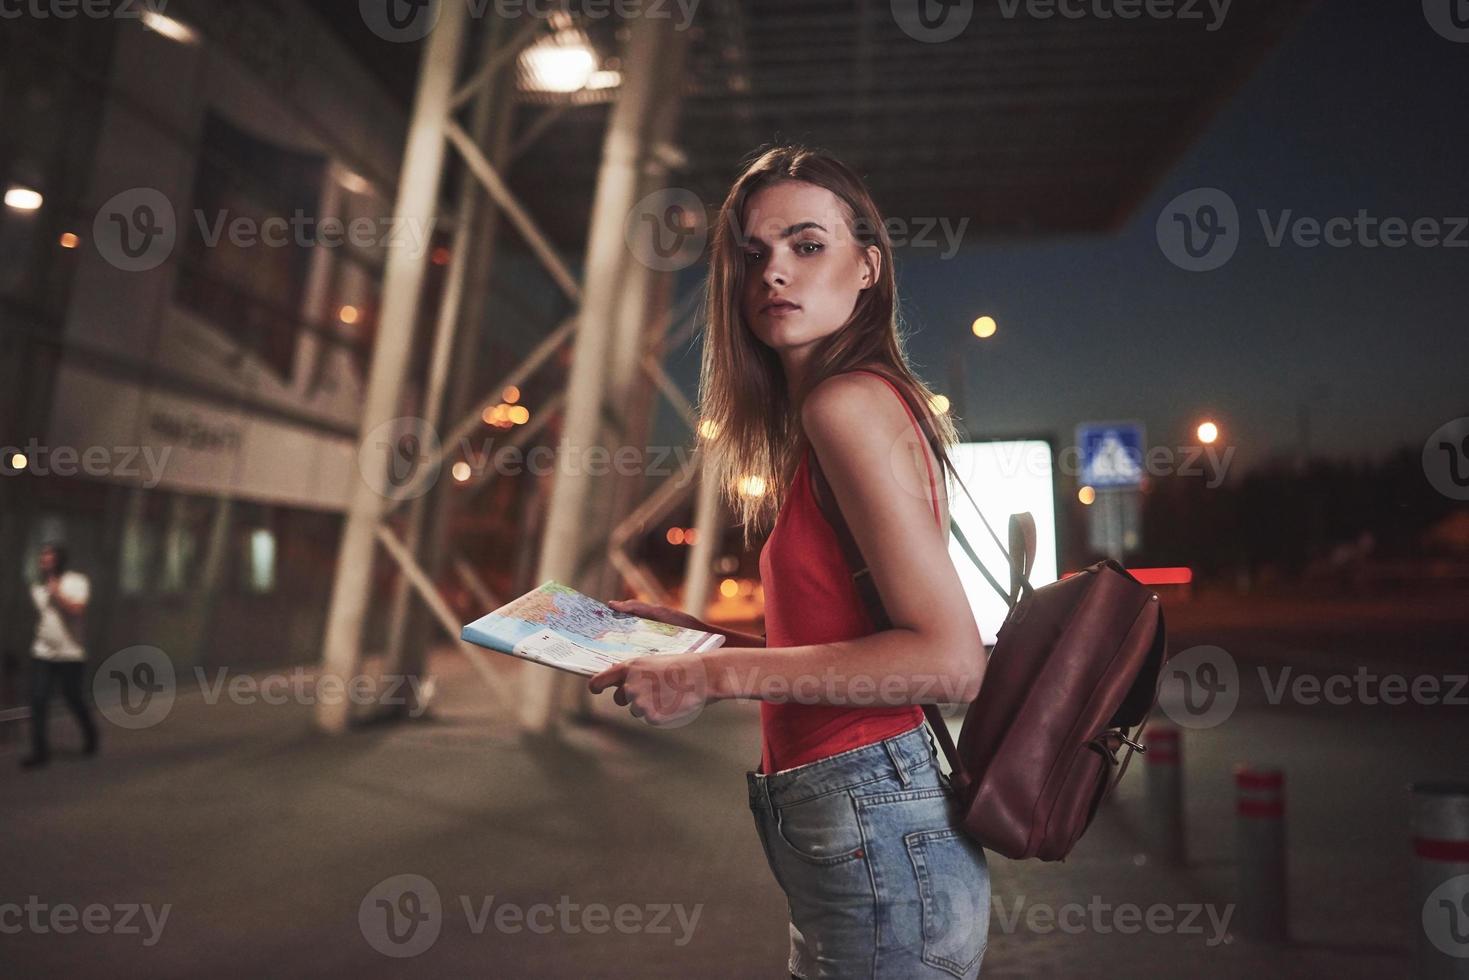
(54, 639)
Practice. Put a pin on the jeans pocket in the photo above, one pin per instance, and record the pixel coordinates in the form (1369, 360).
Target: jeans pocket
(953, 884)
(822, 830)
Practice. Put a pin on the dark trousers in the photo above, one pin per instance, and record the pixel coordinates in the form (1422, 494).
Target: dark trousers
(70, 673)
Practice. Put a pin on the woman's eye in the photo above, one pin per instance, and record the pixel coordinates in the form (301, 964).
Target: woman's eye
(814, 246)
(752, 256)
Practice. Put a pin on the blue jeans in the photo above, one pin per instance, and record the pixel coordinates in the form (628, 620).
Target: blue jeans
(880, 880)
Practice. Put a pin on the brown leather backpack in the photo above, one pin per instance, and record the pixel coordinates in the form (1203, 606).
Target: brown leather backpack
(1072, 677)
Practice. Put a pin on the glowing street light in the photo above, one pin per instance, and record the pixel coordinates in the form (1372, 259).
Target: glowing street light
(985, 327)
(1087, 496)
(172, 29)
(23, 198)
(1208, 432)
(752, 486)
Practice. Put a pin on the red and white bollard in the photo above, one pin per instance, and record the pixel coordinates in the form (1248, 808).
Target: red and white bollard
(1441, 877)
(1262, 899)
(1164, 758)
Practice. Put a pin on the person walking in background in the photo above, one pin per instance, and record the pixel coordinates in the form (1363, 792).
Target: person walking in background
(57, 654)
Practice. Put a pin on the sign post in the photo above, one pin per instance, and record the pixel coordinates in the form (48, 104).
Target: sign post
(1112, 465)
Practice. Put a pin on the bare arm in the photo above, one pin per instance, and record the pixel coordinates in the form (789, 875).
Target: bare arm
(875, 464)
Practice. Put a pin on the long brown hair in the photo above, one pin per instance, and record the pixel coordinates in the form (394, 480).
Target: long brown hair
(749, 427)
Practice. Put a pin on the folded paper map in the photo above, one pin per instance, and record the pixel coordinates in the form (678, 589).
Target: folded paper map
(555, 625)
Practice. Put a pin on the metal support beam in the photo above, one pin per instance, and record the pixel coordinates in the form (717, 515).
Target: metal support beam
(630, 146)
(418, 193)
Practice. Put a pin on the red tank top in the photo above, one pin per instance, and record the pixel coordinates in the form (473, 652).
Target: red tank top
(810, 598)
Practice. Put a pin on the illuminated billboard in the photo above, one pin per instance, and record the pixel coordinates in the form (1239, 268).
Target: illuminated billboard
(1004, 477)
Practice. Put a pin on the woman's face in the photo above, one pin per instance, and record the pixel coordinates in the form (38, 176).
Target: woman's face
(798, 250)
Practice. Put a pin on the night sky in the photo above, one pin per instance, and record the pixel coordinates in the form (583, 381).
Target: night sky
(1361, 107)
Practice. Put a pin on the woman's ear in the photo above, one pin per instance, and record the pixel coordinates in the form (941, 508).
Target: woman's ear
(872, 262)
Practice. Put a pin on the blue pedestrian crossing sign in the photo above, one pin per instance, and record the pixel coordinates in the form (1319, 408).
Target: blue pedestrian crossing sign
(1111, 454)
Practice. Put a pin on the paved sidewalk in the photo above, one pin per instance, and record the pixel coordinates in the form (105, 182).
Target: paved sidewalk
(264, 839)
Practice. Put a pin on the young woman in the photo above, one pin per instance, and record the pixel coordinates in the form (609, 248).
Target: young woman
(803, 362)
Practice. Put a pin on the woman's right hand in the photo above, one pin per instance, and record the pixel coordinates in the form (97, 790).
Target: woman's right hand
(661, 614)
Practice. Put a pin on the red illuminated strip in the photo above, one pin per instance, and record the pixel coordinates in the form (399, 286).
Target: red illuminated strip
(1162, 576)
(1154, 576)
(1452, 851)
(1246, 779)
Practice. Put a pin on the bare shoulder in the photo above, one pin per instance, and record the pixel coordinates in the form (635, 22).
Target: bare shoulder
(862, 432)
(851, 403)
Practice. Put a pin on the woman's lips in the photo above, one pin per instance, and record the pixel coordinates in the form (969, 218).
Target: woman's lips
(780, 309)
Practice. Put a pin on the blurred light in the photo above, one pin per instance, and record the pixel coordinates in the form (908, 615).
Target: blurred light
(1087, 496)
(1162, 576)
(493, 414)
(604, 79)
(729, 588)
(939, 403)
(747, 587)
(441, 256)
(675, 535)
(708, 429)
(348, 314)
(23, 198)
(1208, 432)
(18, 461)
(355, 183)
(461, 471)
(169, 28)
(68, 240)
(690, 536)
(752, 486)
(518, 414)
(511, 394)
(562, 63)
(985, 326)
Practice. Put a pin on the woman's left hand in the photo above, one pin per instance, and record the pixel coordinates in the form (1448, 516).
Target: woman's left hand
(663, 689)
